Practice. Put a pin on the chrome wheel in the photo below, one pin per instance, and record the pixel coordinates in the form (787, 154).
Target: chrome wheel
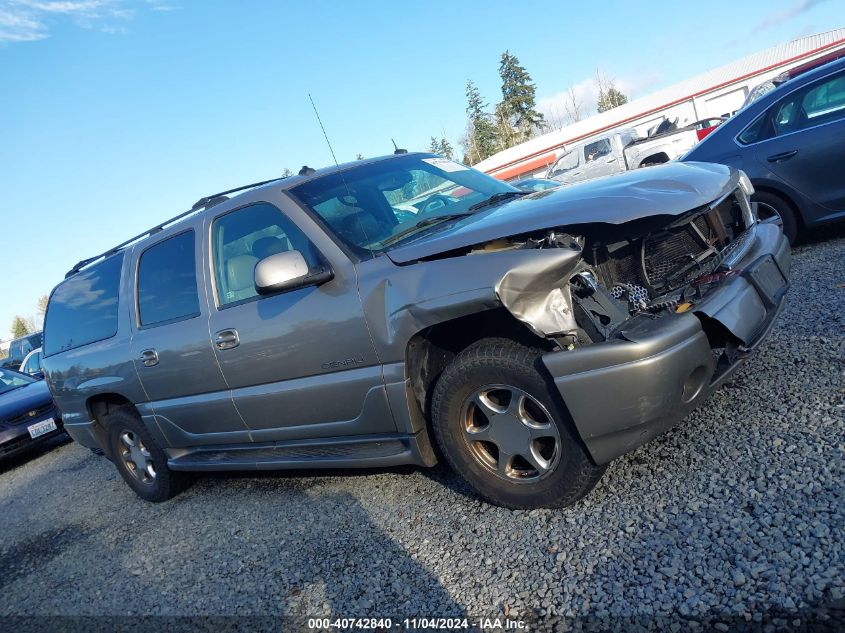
(136, 457)
(510, 433)
(767, 214)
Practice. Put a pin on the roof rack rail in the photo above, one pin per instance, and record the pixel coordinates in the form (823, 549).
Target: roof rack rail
(202, 203)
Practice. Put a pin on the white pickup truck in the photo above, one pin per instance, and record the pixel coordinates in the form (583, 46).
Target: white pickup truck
(621, 150)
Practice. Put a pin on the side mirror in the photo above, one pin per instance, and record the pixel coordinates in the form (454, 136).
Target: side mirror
(288, 270)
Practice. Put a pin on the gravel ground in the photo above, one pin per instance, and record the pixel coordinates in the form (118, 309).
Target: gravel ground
(735, 516)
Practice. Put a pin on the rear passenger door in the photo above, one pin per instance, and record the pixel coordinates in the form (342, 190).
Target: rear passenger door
(806, 144)
(300, 363)
(171, 347)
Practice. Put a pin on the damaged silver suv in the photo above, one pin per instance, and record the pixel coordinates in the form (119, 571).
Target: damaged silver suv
(406, 309)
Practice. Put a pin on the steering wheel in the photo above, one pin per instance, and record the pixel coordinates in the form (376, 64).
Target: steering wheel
(434, 203)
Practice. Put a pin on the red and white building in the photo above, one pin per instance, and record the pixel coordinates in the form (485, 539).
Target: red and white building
(717, 92)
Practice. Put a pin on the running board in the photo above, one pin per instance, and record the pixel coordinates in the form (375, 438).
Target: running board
(364, 452)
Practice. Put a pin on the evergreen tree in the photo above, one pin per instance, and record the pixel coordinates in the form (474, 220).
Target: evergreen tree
(517, 112)
(446, 149)
(609, 95)
(19, 327)
(481, 140)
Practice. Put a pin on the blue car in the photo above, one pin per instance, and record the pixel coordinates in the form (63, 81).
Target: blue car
(791, 143)
(27, 413)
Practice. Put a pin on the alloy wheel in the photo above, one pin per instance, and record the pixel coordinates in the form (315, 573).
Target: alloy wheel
(136, 457)
(510, 433)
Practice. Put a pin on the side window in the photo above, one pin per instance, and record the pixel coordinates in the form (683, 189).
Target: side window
(597, 149)
(825, 101)
(814, 105)
(567, 162)
(167, 281)
(240, 239)
(83, 308)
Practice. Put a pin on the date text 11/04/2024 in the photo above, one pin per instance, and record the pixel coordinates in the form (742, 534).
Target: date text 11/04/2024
(416, 624)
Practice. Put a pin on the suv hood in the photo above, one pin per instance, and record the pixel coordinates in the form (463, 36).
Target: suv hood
(671, 189)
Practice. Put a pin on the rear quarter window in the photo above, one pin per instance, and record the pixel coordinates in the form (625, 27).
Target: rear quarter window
(83, 308)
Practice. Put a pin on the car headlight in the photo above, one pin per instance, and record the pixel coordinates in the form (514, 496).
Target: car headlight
(745, 183)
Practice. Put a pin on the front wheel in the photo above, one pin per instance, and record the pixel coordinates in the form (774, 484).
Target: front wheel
(502, 429)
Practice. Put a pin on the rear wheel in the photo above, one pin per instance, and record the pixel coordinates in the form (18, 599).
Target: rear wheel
(502, 429)
(772, 209)
(140, 460)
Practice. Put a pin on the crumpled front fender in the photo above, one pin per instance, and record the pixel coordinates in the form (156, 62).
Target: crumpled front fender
(537, 291)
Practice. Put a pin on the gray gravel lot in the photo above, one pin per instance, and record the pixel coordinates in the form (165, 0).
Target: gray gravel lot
(737, 512)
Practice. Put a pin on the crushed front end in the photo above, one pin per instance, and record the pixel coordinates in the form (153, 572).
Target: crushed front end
(661, 310)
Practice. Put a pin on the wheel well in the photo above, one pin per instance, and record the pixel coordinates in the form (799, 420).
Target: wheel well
(99, 407)
(431, 349)
(655, 159)
(784, 198)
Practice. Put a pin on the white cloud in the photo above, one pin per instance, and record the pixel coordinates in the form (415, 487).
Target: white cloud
(785, 15)
(557, 107)
(30, 20)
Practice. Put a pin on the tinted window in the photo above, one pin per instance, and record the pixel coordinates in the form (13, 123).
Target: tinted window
(83, 309)
(825, 101)
(244, 237)
(597, 149)
(16, 351)
(167, 281)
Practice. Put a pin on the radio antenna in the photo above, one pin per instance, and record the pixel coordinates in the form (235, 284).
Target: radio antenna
(320, 121)
(340, 173)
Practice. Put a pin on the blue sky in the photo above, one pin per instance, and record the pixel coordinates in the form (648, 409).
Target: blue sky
(117, 114)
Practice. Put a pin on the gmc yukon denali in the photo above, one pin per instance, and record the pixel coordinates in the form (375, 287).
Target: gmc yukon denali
(405, 309)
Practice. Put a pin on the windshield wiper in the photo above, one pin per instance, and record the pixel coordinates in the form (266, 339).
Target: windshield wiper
(436, 219)
(496, 198)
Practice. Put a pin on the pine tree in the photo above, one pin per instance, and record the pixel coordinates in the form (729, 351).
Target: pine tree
(19, 327)
(446, 149)
(517, 109)
(609, 95)
(481, 140)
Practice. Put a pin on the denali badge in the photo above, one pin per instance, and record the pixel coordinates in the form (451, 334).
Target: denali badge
(342, 363)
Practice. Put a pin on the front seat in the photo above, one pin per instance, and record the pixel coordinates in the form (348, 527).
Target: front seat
(240, 278)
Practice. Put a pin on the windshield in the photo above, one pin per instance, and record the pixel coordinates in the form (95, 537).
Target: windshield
(10, 380)
(376, 206)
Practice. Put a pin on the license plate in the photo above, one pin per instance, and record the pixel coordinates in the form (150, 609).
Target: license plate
(42, 428)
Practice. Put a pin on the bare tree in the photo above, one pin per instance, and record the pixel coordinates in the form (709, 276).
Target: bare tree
(573, 106)
(609, 96)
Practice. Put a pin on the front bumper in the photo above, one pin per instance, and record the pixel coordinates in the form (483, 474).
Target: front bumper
(15, 439)
(624, 392)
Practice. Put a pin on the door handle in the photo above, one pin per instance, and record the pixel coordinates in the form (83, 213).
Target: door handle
(227, 339)
(779, 158)
(149, 357)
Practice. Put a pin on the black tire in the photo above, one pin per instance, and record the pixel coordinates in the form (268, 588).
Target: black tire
(164, 483)
(506, 364)
(770, 203)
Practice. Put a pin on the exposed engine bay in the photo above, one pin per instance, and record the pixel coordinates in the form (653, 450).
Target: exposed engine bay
(646, 268)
